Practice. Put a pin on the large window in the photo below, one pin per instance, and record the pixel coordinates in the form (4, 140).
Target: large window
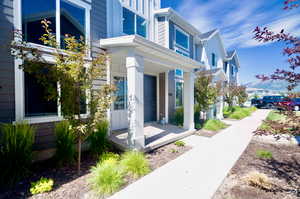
(121, 93)
(36, 102)
(179, 73)
(134, 24)
(179, 94)
(181, 42)
(72, 18)
(33, 12)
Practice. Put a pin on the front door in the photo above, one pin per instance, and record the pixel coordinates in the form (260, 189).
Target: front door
(150, 98)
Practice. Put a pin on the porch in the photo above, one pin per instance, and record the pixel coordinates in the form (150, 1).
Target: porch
(139, 68)
(156, 135)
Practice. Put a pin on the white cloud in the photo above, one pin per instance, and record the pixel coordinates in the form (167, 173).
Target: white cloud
(237, 20)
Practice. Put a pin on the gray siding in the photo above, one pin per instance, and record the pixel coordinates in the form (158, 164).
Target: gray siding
(161, 30)
(172, 94)
(98, 23)
(7, 83)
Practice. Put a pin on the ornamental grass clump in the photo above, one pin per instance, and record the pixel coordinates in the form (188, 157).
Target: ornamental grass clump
(65, 143)
(106, 177)
(264, 154)
(259, 180)
(41, 186)
(98, 141)
(16, 141)
(214, 125)
(135, 163)
(180, 143)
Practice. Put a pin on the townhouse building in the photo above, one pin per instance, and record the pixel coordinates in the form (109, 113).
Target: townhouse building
(153, 55)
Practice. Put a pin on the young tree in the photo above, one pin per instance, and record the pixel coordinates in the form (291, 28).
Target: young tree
(230, 94)
(291, 124)
(242, 95)
(206, 91)
(75, 73)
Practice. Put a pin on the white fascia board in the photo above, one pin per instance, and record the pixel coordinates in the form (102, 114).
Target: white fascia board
(146, 45)
(179, 20)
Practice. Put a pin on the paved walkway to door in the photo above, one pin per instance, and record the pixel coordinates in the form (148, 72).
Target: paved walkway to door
(198, 173)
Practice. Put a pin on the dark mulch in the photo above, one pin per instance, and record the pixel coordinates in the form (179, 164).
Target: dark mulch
(70, 185)
(283, 170)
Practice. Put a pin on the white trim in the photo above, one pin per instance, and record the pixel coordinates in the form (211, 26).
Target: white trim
(167, 96)
(167, 32)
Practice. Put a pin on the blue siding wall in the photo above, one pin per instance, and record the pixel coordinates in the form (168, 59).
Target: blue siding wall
(7, 81)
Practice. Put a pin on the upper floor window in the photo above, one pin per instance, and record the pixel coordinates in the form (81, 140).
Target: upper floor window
(232, 70)
(225, 67)
(72, 18)
(134, 24)
(182, 39)
(213, 59)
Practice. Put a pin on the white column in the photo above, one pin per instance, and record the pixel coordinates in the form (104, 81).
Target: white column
(167, 96)
(135, 78)
(188, 101)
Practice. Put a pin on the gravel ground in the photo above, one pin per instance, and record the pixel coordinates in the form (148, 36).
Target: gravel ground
(283, 170)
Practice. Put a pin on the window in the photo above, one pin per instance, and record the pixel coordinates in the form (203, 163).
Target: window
(121, 93)
(182, 39)
(36, 102)
(213, 59)
(33, 12)
(143, 6)
(141, 26)
(181, 42)
(225, 67)
(137, 5)
(179, 73)
(232, 70)
(179, 94)
(72, 19)
(134, 24)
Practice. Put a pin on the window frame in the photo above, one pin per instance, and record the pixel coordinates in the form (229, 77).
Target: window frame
(19, 73)
(182, 82)
(136, 13)
(188, 42)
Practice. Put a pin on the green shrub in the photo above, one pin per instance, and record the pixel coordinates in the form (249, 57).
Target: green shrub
(16, 143)
(238, 115)
(264, 154)
(178, 117)
(106, 177)
(98, 139)
(135, 163)
(109, 156)
(237, 112)
(180, 143)
(41, 186)
(275, 116)
(197, 120)
(214, 125)
(65, 143)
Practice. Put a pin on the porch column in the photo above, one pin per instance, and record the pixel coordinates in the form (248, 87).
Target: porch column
(188, 101)
(135, 78)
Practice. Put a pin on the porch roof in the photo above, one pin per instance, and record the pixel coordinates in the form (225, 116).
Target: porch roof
(151, 51)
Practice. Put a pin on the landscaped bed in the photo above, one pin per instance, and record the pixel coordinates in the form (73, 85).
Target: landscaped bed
(69, 185)
(211, 127)
(278, 176)
(238, 113)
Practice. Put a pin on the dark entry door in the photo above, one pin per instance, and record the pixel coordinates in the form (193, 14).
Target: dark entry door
(150, 98)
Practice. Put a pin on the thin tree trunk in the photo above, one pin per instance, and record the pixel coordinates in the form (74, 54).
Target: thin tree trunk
(79, 156)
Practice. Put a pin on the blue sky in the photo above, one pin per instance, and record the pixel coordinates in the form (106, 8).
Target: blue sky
(236, 19)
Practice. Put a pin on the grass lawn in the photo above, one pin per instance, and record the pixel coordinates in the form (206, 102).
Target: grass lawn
(214, 125)
(277, 175)
(237, 112)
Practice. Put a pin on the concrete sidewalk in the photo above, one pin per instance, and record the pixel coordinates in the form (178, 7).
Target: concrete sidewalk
(198, 173)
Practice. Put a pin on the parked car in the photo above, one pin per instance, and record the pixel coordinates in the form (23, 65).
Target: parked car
(291, 104)
(255, 101)
(270, 102)
(285, 104)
